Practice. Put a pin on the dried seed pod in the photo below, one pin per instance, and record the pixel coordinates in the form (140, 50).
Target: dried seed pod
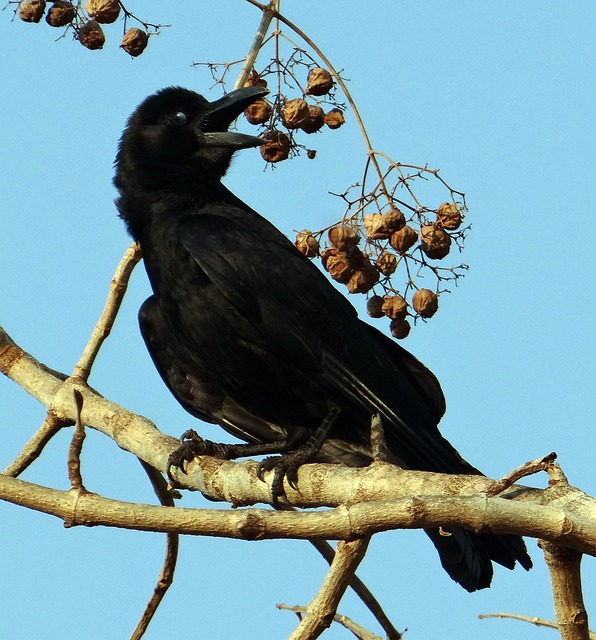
(343, 237)
(319, 82)
(31, 10)
(276, 147)
(60, 14)
(394, 219)
(316, 119)
(295, 113)
(255, 80)
(337, 264)
(311, 154)
(449, 216)
(334, 118)
(435, 242)
(373, 307)
(363, 279)
(403, 239)
(135, 41)
(258, 112)
(374, 227)
(386, 263)
(399, 328)
(104, 11)
(307, 244)
(425, 302)
(91, 35)
(379, 226)
(395, 307)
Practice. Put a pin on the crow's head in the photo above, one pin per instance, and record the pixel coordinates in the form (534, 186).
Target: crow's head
(176, 137)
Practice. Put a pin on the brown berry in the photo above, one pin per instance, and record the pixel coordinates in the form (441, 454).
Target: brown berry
(311, 154)
(435, 242)
(104, 11)
(255, 80)
(258, 112)
(399, 328)
(135, 41)
(337, 264)
(334, 118)
(295, 113)
(60, 14)
(379, 226)
(316, 119)
(373, 307)
(449, 216)
(403, 239)
(425, 302)
(395, 307)
(386, 263)
(31, 10)
(307, 244)
(91, 35)
(319, 82)
(343, 237)
(276, 147)
(363, 279)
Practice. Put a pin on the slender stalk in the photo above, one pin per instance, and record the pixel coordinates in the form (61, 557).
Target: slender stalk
(269, 13)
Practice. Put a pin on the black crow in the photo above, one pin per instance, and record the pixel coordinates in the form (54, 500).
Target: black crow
(247, 333)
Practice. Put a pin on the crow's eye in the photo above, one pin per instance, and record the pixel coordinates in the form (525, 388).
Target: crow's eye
(180, 118)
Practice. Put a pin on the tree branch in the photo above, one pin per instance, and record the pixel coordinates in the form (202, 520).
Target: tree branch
(371, 499)
(565, 575)
(323, 607)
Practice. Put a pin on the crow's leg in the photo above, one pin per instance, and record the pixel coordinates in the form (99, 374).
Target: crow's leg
(286, 466)
(192, 445)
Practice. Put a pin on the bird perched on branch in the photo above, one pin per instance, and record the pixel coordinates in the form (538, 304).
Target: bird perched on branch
(247, 333)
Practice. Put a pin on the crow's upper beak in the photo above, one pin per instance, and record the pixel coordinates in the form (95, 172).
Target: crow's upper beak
(220, 114)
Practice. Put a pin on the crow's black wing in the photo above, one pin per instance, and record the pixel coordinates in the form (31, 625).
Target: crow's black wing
(193, 385)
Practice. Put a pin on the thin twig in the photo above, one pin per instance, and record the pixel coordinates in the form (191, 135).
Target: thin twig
(378, 444)
(36, 444)
(268, 15)
(104, 325)
(539, 622)
(526, 469)
(166, 575)
(76, 445)
(359, 631)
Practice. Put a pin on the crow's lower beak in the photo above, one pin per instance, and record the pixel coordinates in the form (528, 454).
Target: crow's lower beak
(221, 113)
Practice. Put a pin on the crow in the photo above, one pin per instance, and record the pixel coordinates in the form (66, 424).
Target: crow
(249, 334)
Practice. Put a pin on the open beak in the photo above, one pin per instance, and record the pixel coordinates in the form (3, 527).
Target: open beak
(213, 127)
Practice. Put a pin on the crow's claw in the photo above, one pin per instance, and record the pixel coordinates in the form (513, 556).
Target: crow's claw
(284, 467)
(191, 446)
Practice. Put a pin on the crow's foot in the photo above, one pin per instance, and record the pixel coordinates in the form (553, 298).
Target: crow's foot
(284, 467)
(191, 446)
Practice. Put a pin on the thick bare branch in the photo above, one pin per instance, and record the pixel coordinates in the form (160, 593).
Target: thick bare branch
(380, 496)
(323, 607)
(565, 575)
(363, 592)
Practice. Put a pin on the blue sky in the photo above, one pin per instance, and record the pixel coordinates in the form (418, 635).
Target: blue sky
(500, 96)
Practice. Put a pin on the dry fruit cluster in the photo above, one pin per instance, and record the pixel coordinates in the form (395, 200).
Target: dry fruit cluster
(86, 21)
(390, 239)
(294, 114)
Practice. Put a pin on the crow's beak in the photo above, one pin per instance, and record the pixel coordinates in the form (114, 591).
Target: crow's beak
(221, 113)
